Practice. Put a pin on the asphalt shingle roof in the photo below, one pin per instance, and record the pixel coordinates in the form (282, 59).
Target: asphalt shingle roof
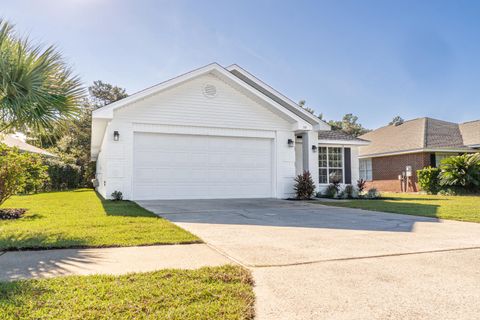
(417, 134)
(337, 135)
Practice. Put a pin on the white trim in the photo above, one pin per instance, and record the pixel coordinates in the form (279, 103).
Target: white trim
(328, 165)
(203, 131)
(260, 83)
(375, 155)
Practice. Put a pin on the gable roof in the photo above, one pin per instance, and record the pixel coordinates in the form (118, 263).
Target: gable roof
(417, 135)
(14, 142)
(273, 100)
(294, 113)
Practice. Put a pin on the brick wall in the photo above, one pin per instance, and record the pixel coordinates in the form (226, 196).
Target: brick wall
(385, 171)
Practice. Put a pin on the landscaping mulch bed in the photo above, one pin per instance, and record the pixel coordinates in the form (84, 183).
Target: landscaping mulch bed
(10, 214)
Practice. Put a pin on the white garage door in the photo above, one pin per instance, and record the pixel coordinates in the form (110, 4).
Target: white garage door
(170, 166)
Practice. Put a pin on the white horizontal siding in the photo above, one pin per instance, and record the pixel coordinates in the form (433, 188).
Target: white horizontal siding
(187, 105)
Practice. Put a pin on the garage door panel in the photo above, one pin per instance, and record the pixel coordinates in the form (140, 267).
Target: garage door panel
(195, 167)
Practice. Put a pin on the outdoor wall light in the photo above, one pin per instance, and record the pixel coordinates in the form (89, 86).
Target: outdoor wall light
(314, 148)
(290, 143)
(116, 136)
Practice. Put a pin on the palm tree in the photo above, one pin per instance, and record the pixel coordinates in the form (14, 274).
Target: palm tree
(37, 89)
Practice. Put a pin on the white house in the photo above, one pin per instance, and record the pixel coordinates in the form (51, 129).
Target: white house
(214, 132)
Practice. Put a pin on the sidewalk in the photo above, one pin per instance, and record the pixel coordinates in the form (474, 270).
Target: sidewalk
(16, 265)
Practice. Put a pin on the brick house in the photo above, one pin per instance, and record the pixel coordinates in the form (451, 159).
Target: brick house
(415, 144)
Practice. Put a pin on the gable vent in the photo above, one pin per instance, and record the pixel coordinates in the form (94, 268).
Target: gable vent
(209, 90)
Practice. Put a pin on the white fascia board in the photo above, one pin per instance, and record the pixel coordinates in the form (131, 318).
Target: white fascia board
(344, 142)
(386, 154)
(278, 94)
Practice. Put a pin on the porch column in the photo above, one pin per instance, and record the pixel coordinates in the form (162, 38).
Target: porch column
(310, 158)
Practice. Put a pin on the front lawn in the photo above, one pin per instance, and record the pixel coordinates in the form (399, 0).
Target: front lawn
(462, 208)
(81, 219)
(207, 293)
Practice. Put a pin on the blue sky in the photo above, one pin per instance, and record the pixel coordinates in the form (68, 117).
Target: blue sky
(375, 59)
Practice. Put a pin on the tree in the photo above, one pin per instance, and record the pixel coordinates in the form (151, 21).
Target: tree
(102, 93)
(397, 120)
(71, 139)
(349, 125)
(19, 171)
(37, 88)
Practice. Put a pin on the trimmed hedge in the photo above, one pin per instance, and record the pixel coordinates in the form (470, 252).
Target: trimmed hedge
(428, 179)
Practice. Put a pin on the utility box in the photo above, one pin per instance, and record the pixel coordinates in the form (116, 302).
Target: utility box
(408, 171)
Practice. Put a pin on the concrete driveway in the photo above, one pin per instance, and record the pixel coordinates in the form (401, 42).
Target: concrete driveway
(312, 261)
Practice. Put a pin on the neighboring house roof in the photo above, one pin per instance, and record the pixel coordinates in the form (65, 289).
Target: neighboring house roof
(12, 141)
(234, 76)
(417, 135)
(471, 133)
(337, 136)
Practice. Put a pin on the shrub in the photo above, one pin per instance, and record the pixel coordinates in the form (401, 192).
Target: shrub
(117, 196)
(428, 179)
(331, 191)
(62, 176)
(19, 171)
(361, 186)
(449, 192)
(335, 181)
(461, 172)
(304, 186)
(373, 193)
(349, 191)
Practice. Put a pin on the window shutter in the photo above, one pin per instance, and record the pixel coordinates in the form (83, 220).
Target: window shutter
(433, 160)
(348, 165)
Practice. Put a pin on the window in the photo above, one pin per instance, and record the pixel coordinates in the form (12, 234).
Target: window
(330, 164)
(366, 169)
(440, 156)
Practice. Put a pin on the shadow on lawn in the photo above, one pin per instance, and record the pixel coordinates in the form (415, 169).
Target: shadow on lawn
(124, 208)
(39, 241)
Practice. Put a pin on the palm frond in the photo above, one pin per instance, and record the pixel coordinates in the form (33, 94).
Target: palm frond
(37, 88)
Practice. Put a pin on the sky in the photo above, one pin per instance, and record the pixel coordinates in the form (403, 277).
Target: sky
(375, 59)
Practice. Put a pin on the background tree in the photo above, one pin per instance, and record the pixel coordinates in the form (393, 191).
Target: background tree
(37, 89)
(397, 120)
(70, 140)
(349, 125)
(102, 93)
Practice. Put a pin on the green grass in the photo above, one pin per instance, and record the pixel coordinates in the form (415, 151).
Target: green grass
(207, 293)
(81, 218)
(462, 208)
